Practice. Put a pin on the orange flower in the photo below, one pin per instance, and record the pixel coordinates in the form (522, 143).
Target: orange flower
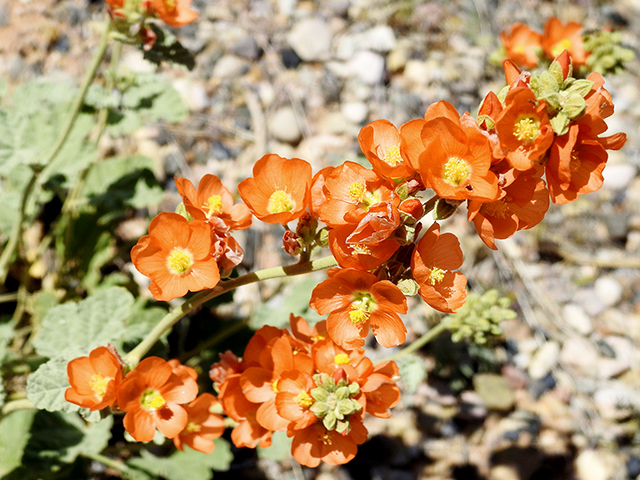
(433, 260)
(328, 357)
(115, 4)
(293, 400)
(315, 443)
(151, 395)
(358, 255)
(213, 202)
(94, 379)
(557, 37)
(380, 143)
(523, 128)
(248, 432)
(522, 44)
(279, 190)
(351, 190)
(523, 205)
(202, 425)
(356, 300)
(260, 384)
(379, 387)
(176, 256)
(456, 157)
(576, 162)
(174, 13)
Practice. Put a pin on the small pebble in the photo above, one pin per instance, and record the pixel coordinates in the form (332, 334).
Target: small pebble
(283, 125)
(609, 290)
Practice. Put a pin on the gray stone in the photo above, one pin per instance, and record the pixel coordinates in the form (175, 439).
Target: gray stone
(311, 39)
(576, 318)
(283, 125)
(544, 360)
(368, 67)
(624, 357)
(494, 391)
(229, 66)
(615, 402)
(580, 354)
(247, 48)
(193, 94)
(355, 112)
(618, 176)
(609, 290)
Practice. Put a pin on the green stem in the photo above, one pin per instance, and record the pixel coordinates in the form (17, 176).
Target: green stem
(422, 341)
(13, 405)
(8, 297)
(78, 101)
(16, 232)
(135, 355)
(109, 462)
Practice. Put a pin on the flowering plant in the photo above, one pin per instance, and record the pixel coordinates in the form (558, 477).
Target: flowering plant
(538, 141)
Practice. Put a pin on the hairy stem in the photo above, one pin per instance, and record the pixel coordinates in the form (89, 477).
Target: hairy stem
(422, 341)
(135, 355)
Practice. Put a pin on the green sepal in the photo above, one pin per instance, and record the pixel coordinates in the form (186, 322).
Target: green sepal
(555, 70)
(574, 106)
(581, 87)
(547, 85)
(560, 124)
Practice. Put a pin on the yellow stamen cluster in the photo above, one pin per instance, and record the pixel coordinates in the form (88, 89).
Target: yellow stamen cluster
(341, 358)
(213, 205)
(152, 400)
(574, 164)
(361, 307)
(98, 384)
(193, 427)
(561, 46)
(392, 156)
(304, 399)
(179, 261)
(356, 191)
(326, 439)
(455, 171)
(436, 275)
(274, 386)
(170, 4)
(497, 209)
(280, 201)
(526, 129)
(360, 249)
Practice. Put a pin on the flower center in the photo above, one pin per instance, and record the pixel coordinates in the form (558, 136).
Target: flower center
(497, 209)
(98, 384)
(193, 427)
(280, 201)
(392, 156)
(152, 400)
(456, 171)
(341, 358)
(304, 399)
(561, 46)
(356, 191)
(574, 163)
(170, 4)
(361, 307)
(360, 249)
(274, 386)
(436, 275)
(526, 129)
(213, 205)
(179, 261)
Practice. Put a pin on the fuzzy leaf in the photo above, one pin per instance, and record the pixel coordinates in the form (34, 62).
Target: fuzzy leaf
(188, 464)
(94, 321)
(412, 372)
(280, 448)
(14, 436)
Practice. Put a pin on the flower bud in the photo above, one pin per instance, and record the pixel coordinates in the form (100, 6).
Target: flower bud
(292, 243)
(445, 208)
(413, 207)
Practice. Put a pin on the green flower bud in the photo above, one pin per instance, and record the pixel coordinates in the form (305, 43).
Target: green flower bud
(560, 124)
(329, 421)
(320, 394)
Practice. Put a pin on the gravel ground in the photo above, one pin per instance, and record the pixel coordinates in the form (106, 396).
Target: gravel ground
(300, 78)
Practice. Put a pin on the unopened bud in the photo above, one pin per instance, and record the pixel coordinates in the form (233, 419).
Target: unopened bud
(413, 207)
(445, 208)
(339, 374)
(408, 287)
(292, 243)
(182, 210)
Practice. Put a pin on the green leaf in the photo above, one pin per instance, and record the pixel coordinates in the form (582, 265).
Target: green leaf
(46, 386)
(412, 372)
(140, 323)
(97, 97)
(123, 122)
(14, 436)
(294, 299)
(167, 48)
(32, 96)
(188, 464)
(95, 321)
(279, 450)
